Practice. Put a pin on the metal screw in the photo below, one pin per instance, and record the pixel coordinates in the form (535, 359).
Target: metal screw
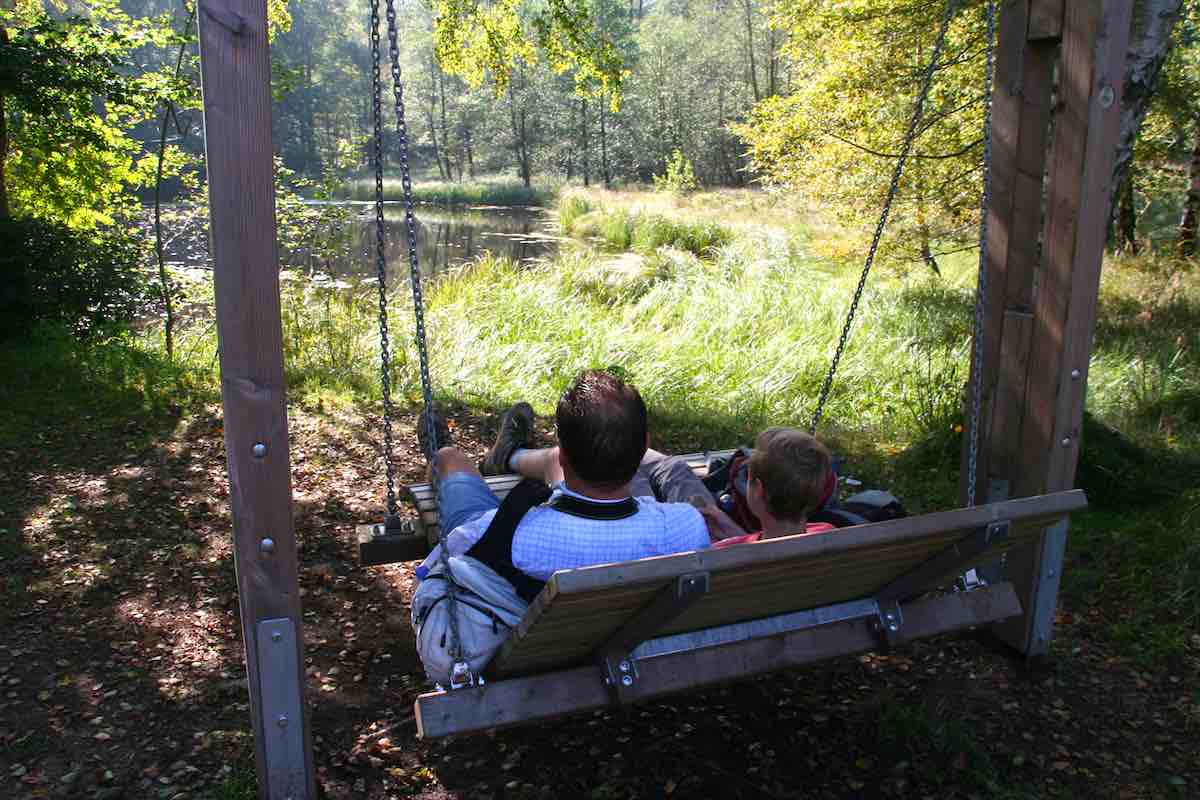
(893, 627)
(1075, 374)
(283, 720)
(259, 450)
(267, 545)
(1050, 574)
(627, 680)
(1066, 442)
(623, 666)
(276, 636)
(889, 616)
(1107, 97)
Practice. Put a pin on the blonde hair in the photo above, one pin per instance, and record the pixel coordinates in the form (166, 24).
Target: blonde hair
(794, 470)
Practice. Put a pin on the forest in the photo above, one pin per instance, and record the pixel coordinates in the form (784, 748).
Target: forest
(682, 192)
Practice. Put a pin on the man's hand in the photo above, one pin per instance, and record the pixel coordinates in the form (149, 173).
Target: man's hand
(720, 525)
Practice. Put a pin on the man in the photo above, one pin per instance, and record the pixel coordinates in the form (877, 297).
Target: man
(588, 514)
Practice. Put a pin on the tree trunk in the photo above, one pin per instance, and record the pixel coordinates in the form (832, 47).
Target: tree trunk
(5, 211)
(520, 149)
(604, 146)
(445, 129)
(1191, 208)
(470, 148)
(749, 7)
(1127, 217)
(1148, 52)
(432, 116)
(587, 164)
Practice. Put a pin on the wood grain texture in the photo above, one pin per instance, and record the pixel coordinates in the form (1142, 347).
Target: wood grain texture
(1090, 75)
(1046, 19)
(522, 700)
(1007, 106)
(235, 76)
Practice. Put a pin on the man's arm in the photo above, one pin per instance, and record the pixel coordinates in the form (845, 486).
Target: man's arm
(540, 464)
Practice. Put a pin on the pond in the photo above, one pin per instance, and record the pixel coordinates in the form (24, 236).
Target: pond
(447, 237)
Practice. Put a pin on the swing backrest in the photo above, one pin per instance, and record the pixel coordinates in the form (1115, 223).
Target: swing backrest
(580, 609)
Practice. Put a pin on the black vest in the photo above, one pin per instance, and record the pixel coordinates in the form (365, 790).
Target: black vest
(494, 548)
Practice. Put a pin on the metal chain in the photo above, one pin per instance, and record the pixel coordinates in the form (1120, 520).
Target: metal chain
(909, 139)
(460, 673)
(385, 355)
(985, 200)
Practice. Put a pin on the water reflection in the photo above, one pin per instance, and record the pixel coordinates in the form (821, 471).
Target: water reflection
(447, 237)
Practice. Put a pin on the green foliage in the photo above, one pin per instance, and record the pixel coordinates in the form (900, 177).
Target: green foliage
(74, 93)
(477, 41)
(835, 135)
(85, 281)
(680, 177)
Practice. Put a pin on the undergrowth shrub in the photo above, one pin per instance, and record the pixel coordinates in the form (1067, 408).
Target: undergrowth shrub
(84, 280)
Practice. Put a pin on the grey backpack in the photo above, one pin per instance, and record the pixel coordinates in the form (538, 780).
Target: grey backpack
(488, 609)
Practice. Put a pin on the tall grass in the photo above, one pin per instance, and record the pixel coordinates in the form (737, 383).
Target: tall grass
(621, 229)
(476, 193)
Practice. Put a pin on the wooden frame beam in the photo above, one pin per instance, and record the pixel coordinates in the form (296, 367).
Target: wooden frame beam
(1060, 71)
(236, 83)
(521, 700)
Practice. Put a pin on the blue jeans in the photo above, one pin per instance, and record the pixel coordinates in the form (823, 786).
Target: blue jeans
(464, 497)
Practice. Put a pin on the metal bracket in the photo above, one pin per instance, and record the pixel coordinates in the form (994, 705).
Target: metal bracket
(281, 696)
(958, 555)
(617, 665)
(889, 621)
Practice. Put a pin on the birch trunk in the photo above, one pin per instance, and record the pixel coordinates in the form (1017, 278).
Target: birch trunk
(1147, 54)
(1191, 209)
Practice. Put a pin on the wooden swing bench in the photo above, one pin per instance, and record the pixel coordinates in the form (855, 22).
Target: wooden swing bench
(620, 633)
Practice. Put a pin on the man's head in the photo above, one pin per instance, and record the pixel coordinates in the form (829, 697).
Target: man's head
(602, 429)
(793, 471)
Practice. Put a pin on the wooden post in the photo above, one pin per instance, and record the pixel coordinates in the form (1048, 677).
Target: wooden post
(236, 80)
(1048, 220)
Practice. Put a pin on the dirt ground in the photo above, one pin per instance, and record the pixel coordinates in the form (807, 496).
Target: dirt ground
(121, 672)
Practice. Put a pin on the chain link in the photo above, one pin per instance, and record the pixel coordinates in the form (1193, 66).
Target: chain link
(461, 674)
(985, 201)
(385, 355)
(909, 138)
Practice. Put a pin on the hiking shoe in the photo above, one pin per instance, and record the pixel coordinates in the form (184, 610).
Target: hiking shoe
(440, 430)
(516, 430)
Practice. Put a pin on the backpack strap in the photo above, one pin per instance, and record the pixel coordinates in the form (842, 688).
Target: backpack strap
(494, 548)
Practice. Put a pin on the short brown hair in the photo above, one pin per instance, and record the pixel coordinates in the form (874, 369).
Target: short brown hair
(794, 470)
(602, 428)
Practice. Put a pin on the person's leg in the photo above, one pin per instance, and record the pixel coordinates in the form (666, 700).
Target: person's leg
(463, 494)
(674, 482)
(539, 464)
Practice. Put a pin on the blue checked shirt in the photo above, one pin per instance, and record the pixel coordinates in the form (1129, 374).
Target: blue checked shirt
(548, 540)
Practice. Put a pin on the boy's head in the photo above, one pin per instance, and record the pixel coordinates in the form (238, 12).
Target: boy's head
(794, 469)
(602, 429)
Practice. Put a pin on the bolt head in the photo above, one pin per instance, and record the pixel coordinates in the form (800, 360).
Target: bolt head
(1066, 442)
(267, 546)
(282, 721)
(627, 680)
(276, 636)
(259, 450)
(623, 666)
(893, 627)
(1075, 374)
(1107, 97)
